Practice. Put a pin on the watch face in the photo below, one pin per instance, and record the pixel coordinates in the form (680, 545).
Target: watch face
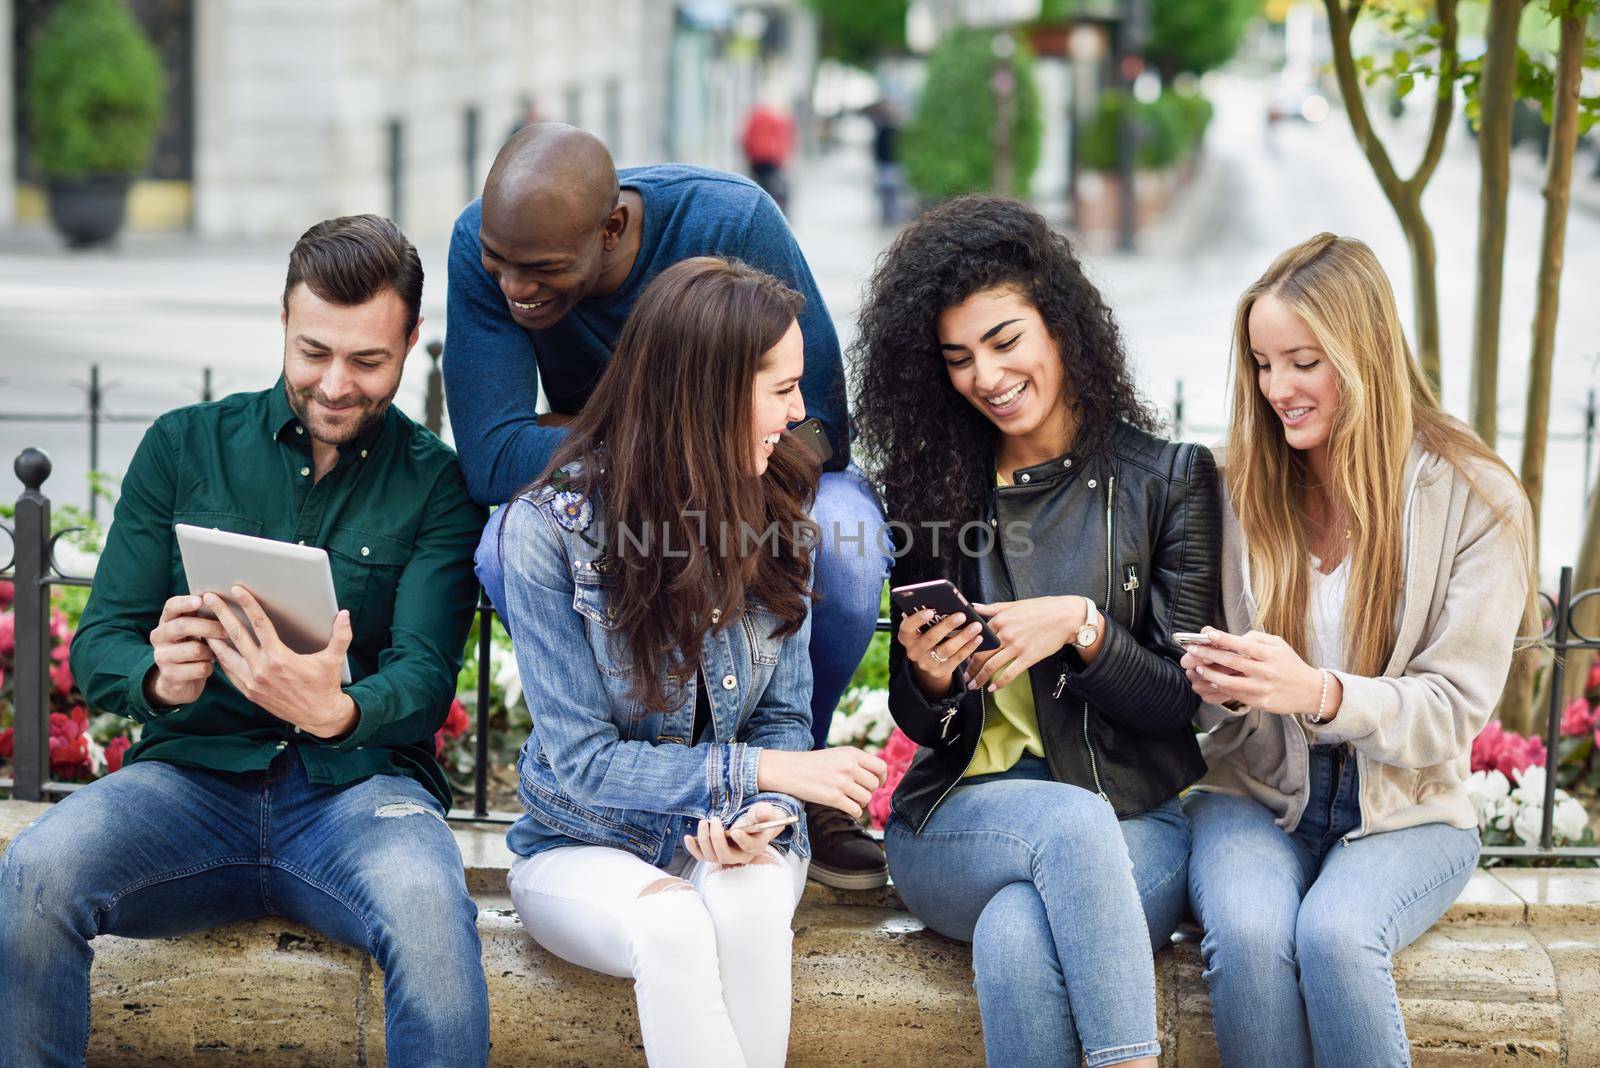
(1087, 634)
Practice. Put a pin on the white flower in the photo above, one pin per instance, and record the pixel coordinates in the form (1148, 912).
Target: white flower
(862, 718)
(1530, 786)
(1528, 824)
(1570, 819)
(1492, 785)
(79, 563)
(1489, 792)
(504, 674)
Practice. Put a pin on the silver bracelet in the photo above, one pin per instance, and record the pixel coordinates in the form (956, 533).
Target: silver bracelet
(1322, 701)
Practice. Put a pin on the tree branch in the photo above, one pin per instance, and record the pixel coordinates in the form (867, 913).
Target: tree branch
(1444, 104)
(1340, 22)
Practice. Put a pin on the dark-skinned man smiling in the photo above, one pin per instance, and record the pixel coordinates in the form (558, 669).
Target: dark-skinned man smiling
(544, 269)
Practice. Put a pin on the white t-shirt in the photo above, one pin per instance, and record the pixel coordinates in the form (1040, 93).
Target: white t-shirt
(1326, 609)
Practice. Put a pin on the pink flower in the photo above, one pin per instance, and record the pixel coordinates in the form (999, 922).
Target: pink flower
(1594, 675)
(897, 753)
(61, 670)
(69, 745)
(8, 632)
(114, 752)
(8, 744)
(1578, 719)
(6, 593)
(59, 633)
(1497, 749)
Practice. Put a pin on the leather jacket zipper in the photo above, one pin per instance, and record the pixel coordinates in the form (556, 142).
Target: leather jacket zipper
(1131, 588)
(1111, 497)
(983, 718)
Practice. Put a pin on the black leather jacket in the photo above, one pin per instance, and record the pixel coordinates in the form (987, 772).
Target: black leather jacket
(1138, 528)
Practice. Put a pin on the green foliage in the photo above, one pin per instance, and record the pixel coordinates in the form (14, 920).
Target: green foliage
(948, 147)
(860, 33)
(1415, 54)
(1196, 35)
(873, 671)
(1166, 129)
(95, 91)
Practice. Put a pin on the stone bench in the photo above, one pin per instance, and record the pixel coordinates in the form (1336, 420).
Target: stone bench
(1510, 976)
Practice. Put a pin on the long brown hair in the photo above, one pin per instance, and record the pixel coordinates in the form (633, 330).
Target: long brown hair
(1339, 290)
(666, 441)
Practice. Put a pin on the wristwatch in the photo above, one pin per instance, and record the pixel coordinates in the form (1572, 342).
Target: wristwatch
(1089, 633)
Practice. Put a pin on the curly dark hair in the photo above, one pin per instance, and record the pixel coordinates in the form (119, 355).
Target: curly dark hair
(929, 451)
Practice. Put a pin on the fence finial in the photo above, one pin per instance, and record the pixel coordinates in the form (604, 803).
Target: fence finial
(32, 467)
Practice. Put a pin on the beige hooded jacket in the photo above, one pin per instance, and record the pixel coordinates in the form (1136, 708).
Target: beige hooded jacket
(1466, 586)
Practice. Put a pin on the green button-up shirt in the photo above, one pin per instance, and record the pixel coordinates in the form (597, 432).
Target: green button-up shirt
(399, 528)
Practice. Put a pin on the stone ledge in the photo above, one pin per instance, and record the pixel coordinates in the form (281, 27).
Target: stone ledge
(1510, 976)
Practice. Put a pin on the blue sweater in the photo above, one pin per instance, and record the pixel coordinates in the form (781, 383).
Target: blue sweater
(492, 366)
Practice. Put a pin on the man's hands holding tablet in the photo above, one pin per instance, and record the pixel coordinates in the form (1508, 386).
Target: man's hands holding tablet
(298, 688)
(183, 659)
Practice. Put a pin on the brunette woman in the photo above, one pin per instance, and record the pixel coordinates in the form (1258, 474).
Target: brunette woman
(657, 586)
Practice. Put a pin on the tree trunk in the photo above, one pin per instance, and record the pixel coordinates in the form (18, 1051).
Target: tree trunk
(1519, 710)
(1404, 195)
(1552, 253)
(1425, 285)
(1585, 576)
(1496, 98)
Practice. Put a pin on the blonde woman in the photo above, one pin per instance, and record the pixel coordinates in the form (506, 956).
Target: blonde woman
(1375, 577)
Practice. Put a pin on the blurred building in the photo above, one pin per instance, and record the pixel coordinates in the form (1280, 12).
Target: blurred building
(284, 111)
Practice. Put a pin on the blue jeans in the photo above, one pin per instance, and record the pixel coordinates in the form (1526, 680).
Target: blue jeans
(1063, 904)
(156, 850)
(1301, 929)
(851, 567)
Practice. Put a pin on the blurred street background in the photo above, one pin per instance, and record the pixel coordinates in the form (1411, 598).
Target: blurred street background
(282, 112)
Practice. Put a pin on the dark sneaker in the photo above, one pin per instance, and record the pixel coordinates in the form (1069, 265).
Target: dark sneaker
(843, 854)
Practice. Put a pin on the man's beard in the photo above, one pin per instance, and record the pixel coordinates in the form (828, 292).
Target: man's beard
(301, 401)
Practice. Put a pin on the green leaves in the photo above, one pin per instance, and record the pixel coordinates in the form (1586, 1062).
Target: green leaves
(94, 91)
(859, 33)
(948, 147)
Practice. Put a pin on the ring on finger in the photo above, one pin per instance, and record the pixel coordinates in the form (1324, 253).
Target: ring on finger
(937, 659)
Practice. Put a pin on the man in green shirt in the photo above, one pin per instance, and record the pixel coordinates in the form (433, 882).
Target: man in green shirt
(260, 785)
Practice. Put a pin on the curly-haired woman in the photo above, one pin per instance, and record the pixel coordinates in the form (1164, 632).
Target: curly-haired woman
(1376, 571)
(1040, 818)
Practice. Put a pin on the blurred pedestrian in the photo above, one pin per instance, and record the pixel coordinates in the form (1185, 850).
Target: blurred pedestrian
(886, 160)
(767, 141)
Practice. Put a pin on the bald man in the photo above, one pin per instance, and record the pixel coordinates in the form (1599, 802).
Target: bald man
(544, 269)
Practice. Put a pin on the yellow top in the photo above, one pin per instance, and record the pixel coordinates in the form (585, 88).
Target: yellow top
(1011, 724)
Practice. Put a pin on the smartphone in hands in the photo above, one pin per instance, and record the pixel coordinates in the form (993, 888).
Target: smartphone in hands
(767, 825)
(1186, 638)
(942, 596)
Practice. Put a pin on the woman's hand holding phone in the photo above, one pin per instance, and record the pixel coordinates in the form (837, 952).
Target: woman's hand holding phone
(843, 777)
(936, 654)
(1029, 631)
(736, 845)
(1260, 670)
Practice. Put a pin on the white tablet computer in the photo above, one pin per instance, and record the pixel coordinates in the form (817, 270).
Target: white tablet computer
(293, 582)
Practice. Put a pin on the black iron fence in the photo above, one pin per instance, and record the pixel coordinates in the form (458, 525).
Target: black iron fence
(95, 413)
(33, 571)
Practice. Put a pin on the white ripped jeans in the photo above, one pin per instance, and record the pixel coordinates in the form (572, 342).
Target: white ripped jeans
(708, 951)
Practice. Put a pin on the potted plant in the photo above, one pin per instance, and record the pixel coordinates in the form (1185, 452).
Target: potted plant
(949, 146)
(94, 95)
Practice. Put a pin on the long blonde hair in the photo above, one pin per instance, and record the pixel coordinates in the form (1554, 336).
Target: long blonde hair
(1337, 288)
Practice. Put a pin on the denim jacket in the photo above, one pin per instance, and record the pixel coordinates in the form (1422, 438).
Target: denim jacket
(598, 768)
